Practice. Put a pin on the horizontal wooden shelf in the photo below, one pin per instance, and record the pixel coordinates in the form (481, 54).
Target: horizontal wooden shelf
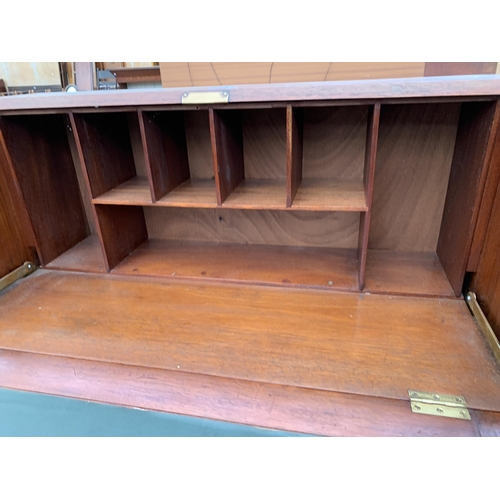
(258, 194)
(133, 192)
(197, 193)
(329, 194)
(317, 267)
(86, 256)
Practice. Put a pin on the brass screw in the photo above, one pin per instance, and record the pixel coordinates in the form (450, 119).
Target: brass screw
(439, 410)
(462, 413)
(436, 396)
(417, 407)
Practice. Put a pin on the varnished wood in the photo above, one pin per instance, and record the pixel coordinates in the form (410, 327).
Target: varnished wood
(294, 137)
(133, 192)
(199, 144)
(406, 273)
(164, 142)
(15, 247)
(415, 151)
(394, 89)
(492, 160)
(368, 181)
(227, 146)
(107, 151)
(334, 142)
(289, 408)
(258, 227)
(40, 161)
(360, 344)
(486, 282)
(86, 256)
(122, 230)
(277, 265)
(264, 143)
(467, 179)
(269, 194)
(85, 75)
(198, 193)
(330, 194)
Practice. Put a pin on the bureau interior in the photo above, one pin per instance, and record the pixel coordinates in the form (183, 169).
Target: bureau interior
(203, 192)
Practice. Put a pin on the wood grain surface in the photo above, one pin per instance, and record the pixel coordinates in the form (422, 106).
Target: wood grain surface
(294, 148)
(467, 180)
(165, 149)
(259, 227)
(334, 142)
(133, 192)
(106, 148)
(122, 230)
(352, 343)
(368, 181)
(41, 163)
(15, 226)
(283, 266)
(390, 90)
(86, 256)
(227, 148)
(492, 162)
(459, 68)
(486, 282)
(289, 408)
(264, 143)
(197, 125)
(415, 151)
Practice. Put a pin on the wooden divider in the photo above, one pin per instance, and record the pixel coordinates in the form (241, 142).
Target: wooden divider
(368, 179)
(165, 150)
(227, 147)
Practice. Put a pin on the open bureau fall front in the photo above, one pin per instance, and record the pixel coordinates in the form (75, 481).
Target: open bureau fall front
(312, 239)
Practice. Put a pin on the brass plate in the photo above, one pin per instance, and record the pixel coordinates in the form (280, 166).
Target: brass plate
(440, 410)
(205, 97)
(440, 405)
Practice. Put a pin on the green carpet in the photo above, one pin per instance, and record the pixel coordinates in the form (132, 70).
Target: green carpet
(31, 415)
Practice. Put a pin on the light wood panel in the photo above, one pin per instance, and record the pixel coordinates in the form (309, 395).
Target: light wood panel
(345, 342)
(259, 227)
(415, 151)
(133, 192)
(269, 194)
(199, 193)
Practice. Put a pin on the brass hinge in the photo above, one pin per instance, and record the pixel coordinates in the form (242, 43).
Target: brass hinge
(221, 97)
(441, 405)
(20, 272)
(483, 323)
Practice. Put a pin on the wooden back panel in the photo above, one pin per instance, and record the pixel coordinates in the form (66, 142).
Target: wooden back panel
(264, 143)
(259, 227)
(415, 151)
(334, 142)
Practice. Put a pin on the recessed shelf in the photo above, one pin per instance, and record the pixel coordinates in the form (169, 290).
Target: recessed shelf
(197, 193)
(133, 192)
(316, 267)
(258, 194)
(327, 194)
